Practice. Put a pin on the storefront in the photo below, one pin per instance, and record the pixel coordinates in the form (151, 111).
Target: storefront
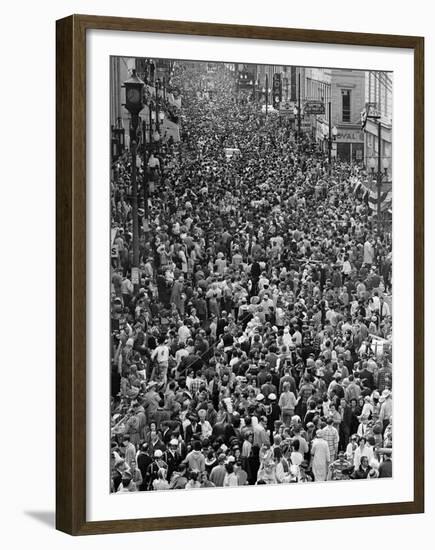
(350, 144)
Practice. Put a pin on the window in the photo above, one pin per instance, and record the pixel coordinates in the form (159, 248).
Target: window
(345, 102)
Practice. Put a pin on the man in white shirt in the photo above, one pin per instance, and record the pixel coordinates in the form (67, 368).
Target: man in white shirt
(183, 333)
(364, 449)
(161, 357)
(153, 162)
(206, 429)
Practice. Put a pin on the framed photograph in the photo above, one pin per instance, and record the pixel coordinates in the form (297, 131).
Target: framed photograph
(239, 275)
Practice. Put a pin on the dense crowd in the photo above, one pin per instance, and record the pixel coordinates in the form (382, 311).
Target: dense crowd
(256, 348)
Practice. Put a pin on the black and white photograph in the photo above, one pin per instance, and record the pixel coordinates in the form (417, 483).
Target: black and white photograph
(250, 250)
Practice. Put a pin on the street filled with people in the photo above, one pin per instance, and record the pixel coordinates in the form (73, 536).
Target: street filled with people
(256, 345)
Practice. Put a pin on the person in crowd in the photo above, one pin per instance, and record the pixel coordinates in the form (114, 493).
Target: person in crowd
(363, 469)
(320, 457)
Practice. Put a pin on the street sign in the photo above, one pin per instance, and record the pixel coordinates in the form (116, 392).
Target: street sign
(314, 107)
(363, 118)
(286, 108)
(370, 111)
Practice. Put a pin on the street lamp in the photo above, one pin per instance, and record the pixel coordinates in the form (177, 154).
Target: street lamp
(157, 103)
(254, 88)
(266, 91)
(325, 131)
(134, 104)
(158, 118)
(297, 111)
(299, 105)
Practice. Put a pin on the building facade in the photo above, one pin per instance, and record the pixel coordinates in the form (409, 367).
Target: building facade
(379, 93)
(348, 100)
(318, 88)
(120, 71)
(345, 90)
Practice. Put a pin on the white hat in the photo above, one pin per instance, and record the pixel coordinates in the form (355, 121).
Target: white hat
(173, 442)
(271, 396)
(260, 397)
(386, 393)
(158, 453)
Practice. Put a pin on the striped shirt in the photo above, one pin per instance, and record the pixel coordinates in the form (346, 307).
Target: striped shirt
(330, 435)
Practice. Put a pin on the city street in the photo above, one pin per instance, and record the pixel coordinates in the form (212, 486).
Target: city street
(251, 260)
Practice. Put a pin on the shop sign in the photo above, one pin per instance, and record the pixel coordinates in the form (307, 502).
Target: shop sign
(314, 107)
(350, 136)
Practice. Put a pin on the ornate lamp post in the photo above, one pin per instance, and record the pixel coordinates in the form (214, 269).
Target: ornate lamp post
(298, 116)
(134, 105)
(332, 134)
(152, 117)
(266, 91)
(158, 84)
(299, 105)
(254, 89)
(325, 131)
(158, 133)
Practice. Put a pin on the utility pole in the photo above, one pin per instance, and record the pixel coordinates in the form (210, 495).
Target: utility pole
(379, 179)
(267, 91)
(157, 105)
(145, 179)
(299, 104)
(330, 135)
(150, 111)
(134, 104)
(135, 262)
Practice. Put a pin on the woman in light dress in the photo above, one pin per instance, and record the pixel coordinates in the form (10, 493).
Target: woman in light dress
(320, 457)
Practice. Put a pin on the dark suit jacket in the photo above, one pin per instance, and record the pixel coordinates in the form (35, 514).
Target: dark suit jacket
(190, 431)
(370, 382)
